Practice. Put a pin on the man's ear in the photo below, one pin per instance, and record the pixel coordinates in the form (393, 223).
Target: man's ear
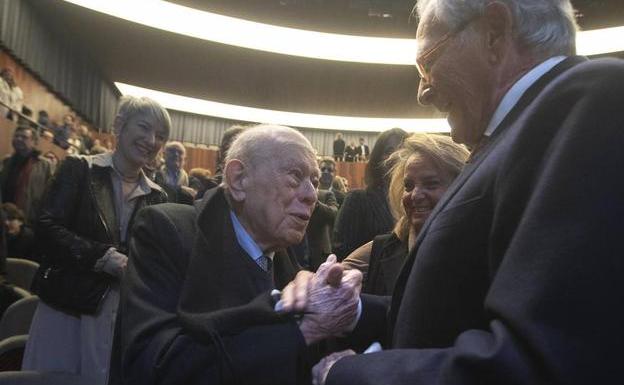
(236, 175)
(498, 26)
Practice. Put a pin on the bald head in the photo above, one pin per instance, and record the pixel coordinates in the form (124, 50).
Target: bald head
(262, 144)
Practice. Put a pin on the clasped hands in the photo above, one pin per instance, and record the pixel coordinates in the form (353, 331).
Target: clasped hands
(328, 299)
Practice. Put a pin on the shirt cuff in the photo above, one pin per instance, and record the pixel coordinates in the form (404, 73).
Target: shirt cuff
(100, 263)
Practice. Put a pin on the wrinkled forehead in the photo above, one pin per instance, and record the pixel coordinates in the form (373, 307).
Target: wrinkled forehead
(295, 156)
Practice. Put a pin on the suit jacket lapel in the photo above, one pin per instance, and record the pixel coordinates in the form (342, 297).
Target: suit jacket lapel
(470, 168)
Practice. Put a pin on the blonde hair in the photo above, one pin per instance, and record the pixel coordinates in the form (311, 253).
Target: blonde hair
(447, 156)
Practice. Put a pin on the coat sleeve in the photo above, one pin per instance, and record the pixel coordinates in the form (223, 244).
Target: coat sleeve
(59, 211)
(161, 346)
(555, 299)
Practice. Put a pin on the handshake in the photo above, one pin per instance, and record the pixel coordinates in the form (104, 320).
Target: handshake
(328, 299)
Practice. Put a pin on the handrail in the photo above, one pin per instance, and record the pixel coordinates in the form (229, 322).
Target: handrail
(40, 128)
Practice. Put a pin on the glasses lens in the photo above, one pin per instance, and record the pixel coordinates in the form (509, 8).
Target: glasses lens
(326, 169)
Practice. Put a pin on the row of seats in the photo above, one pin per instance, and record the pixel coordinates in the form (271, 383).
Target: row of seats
(16, 320)
(14, 328)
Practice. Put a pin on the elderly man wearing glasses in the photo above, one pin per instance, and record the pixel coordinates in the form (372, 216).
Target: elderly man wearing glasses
(516, 277)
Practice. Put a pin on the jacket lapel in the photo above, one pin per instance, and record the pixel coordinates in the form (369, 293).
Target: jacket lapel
(102, 190)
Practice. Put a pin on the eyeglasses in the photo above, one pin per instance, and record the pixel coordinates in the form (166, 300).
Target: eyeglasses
(327, 169)
(425, 61)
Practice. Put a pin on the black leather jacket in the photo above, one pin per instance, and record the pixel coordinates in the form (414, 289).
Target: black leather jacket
(77, 226)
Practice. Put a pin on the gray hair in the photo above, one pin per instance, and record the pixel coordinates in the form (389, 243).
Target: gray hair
(545, 27)
(132, 105)
(175, 144)
(261, 144)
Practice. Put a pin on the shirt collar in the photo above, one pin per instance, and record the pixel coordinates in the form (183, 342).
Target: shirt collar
(245, 241)
(106, 160)
(514, 94)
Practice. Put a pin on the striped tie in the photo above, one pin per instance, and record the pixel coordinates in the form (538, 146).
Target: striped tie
(265, 263)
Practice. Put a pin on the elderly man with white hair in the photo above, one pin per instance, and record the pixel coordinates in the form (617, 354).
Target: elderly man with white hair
(198, 305)
(516, 277)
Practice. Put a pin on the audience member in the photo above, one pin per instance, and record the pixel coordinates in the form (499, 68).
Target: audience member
(20, 240)
(196, 306)
(10, 94)
(350, 154)
(365, 214)
(172, 177)
(516, 277)
(362, 151)
(339, 148)
(228, 138)
(88, 211)
(319, 231)
(341, 184)
(43, 119)
(7, 294)
(199, 180)
(63, 132)
(328, 176)
(422, 170)
(25, 174)
(172, 174)
(85, 138)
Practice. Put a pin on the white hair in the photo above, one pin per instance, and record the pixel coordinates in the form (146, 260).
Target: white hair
(263, 143)
(544, 27)
(175, 145)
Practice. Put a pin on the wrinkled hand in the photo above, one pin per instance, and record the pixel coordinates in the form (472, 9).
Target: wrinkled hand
(320, 370)
(115, 263)
(329, 299)
(294, 296)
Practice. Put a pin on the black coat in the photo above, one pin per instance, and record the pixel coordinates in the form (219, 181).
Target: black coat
(516, 277)
(196, 309)
(363, 215)
(77, 226)
(319, 231)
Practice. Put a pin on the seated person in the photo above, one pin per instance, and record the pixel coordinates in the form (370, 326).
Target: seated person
(422, 169)
(19, 237)
(196, 305)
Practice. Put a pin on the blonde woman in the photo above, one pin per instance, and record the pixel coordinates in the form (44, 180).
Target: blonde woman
(422, 169)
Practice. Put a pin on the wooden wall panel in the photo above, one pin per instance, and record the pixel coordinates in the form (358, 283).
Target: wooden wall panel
(354, 172)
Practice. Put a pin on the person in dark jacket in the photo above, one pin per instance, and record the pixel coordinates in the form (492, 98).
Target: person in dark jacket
(196, 304)
(422, 170)
(516, 277)
(84, 228)
(20, 239)
(365, 213)
(339, 148)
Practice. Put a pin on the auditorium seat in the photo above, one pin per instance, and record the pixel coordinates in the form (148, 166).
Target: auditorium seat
(17, 317)
(20, 272)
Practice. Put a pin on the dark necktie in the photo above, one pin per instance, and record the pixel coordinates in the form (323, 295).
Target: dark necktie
(265, 263)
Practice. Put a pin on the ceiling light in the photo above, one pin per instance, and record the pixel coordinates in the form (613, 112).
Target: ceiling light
(295, 119)
(290, 41)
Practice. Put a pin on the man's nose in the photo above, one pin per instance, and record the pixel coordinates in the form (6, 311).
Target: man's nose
(425, 93)
(309, 193)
